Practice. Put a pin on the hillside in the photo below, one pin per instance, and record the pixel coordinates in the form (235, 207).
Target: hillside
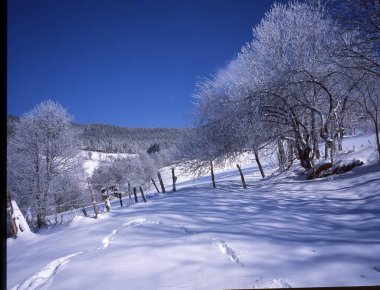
(117, 139)
(282, 231)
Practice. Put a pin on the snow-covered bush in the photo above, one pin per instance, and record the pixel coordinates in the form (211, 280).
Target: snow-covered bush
(137, 170)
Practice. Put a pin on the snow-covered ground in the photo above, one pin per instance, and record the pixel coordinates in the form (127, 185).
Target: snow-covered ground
(282, 231)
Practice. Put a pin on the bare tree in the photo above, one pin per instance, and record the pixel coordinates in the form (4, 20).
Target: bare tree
(360, 21)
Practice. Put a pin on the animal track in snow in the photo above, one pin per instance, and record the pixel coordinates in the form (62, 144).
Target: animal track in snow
(39, 279)
(270, 283)
(142, 221)
(228, 251)
(108, 239)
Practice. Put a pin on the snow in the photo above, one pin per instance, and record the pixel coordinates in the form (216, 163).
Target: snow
(21, 224)
(91, 163)
(282, 231)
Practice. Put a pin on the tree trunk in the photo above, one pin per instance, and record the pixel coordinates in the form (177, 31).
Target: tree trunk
(340, 139)
(290, 154)
(256, 153)
(41, 222)
(155, 186)
(314, 135)
(281, 155)
(377, 138)
(174, 179)
(134, 193)
(161, 182)
(326, 151)
(142, 194)
(305, 157)
(129, 190)
(241, 176)
(84, 211)
(212, 175)
(93, 197)
(46, 182)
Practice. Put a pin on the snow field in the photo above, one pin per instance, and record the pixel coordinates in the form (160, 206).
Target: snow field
(282, 231)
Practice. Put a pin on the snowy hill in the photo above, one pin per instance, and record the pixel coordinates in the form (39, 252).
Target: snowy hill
(282, 231)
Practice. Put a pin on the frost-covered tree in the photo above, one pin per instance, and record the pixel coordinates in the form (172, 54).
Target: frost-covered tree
(41, 154)
(118, 172)
(229, 119)
(197, 150)
(295, 78)
(136, 170)
(296, 81)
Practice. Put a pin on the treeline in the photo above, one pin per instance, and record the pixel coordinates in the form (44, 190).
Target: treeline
(116, 139)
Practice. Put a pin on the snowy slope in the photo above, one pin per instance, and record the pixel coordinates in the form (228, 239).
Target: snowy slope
(91, 159)
(282, 231)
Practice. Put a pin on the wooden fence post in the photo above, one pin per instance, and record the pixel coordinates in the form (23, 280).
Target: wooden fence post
(256, 153)
(134, 193)
(92, 197)
(212, 176)
(84, 211)
(155, 186)
(10, 215)
(129, 189)
(241, 176)
(161, 182)
(129, 194)
(174, 180)
(142, 194)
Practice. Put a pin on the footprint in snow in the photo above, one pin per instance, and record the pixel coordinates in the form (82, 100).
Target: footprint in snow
(143, 221)
(228, 251)
(377, 268)
(108, 239)
(38, 280)
(270, 283)
(140, 222)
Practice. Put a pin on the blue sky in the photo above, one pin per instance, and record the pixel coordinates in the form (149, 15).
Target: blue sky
(125, 63)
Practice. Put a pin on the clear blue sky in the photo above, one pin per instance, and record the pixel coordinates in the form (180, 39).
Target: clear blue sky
(125, 63)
